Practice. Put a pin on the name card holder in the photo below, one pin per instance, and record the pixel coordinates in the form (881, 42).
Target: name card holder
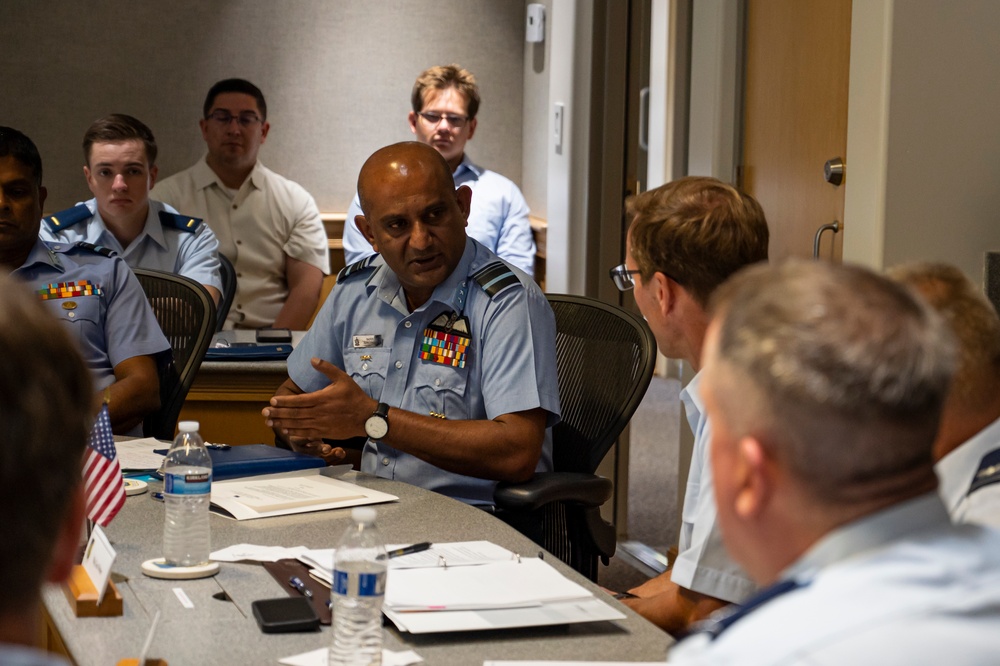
(82, 596)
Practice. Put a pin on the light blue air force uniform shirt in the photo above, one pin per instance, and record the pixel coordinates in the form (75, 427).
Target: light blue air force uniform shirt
(510, 364)
(191, 251)
(498, 218)
(100, 302)
(702, 563)
(901, 586)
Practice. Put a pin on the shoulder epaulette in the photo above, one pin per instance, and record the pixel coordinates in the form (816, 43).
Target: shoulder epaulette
(988, 472)
(495, 277)
(178, 221)
(96, 249)
(67, 218)
(355, 268)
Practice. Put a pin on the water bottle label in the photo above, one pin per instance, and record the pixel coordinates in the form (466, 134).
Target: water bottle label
(187, 484)
(360, 585)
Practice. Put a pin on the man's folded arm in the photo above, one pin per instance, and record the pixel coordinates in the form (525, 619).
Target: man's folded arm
(134, 394)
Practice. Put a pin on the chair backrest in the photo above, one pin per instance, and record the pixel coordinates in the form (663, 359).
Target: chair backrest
(228, 272)
(186, 314)
(605, 357)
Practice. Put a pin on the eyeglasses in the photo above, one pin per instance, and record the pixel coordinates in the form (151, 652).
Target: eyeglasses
(622, 277)
(245, 119)
(432, 118)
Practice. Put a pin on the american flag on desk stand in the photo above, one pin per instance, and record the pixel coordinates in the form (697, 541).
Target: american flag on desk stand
(102, 476)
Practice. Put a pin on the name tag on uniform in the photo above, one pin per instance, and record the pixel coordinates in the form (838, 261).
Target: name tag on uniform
(366, 341)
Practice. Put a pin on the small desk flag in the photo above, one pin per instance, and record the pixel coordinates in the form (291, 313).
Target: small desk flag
(102, 475)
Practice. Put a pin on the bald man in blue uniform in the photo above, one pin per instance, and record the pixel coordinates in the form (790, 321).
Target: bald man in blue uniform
(437, 351)
(94, 294)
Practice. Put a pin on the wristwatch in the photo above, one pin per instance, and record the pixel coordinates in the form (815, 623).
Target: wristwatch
(377, 425)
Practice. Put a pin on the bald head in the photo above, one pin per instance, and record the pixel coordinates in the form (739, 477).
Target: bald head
(399, 162)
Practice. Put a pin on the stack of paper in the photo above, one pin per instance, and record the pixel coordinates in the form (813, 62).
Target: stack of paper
(516, 592)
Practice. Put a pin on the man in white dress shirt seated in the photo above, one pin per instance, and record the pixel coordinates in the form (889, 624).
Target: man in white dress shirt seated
(824, 385)
(967, 449)
(268, 226)
(445, 102)
(46, 408)
(120, 168)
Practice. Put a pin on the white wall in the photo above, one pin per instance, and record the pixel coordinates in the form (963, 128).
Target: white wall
(923, 143)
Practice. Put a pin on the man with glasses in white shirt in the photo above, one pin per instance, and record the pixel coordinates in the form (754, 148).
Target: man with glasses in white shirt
(445, 102)
(268, 226)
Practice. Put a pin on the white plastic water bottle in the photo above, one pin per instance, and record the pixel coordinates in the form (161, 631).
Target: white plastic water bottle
(359, 573)
(187, 488)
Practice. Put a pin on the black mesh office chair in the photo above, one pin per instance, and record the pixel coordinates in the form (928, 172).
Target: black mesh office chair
(605, 357)
(228, 272)
(186, 314)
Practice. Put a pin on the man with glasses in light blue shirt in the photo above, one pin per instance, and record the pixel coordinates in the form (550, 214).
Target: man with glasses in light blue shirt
(445, 102)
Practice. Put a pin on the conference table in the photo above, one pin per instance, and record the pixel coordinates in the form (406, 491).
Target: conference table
(223, 631)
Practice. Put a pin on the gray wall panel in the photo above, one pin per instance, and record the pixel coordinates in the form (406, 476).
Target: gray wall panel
(336, 74)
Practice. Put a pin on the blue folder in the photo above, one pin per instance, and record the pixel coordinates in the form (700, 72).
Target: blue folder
(254, 459)
(249, 352)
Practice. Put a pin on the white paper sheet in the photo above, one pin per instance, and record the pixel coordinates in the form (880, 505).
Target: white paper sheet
(248, 552)
(326, 493)
(570, 612)
(321, 657)
(137, 454)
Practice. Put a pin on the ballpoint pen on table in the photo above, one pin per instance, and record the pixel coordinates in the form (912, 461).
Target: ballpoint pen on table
(409, 550)
(297, 583)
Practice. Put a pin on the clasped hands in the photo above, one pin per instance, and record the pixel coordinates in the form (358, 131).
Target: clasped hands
(336, 411)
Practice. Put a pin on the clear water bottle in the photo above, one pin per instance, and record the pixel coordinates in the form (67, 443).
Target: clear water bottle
(359, 573)
(187, 488)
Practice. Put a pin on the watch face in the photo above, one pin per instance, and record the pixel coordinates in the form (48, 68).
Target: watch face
(376, 426)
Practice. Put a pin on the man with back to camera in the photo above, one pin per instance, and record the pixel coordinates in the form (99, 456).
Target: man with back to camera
(445, 102)
(824, 385)
(967, 448)
(91, 291)
(685, 239)
(267, 226)
(120, 167)
(435, 350)
(46, 412)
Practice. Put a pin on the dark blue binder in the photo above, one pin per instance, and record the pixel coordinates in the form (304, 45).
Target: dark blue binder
(254, 459)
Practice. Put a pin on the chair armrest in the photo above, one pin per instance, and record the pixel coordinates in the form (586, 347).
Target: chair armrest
(583, 489)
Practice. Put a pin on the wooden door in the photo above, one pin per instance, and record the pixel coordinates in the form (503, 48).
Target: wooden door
(795, 118)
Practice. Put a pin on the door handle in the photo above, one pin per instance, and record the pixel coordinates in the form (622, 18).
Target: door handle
(833, 171)
(833, 226)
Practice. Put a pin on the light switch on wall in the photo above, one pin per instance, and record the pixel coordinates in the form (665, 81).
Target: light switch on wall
(535, 29)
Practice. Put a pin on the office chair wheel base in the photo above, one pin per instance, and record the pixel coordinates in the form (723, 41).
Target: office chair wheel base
(158, 568)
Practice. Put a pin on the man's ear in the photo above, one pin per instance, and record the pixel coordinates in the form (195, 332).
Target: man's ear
(464, 197)
(264, 129)
(153, 171)
(366, 230)
(755, 478)
(67, 543)
(412, 118)
(472, 128)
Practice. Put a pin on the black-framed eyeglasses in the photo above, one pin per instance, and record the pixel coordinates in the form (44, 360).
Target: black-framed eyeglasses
(245, 119)
(622, 277)
(433, 118)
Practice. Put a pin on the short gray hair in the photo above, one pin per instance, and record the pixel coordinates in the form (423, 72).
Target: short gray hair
(849, 370)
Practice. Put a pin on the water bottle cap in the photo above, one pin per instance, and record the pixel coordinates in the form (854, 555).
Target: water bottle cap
(188, 426)
(363, 514)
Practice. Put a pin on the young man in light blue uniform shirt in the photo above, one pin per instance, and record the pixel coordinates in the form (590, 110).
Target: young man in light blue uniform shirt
(824, 385)
(95, 295)
(445, 102)
(120, 154)
(436, 350)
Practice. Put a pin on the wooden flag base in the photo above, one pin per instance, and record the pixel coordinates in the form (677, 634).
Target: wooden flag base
(82, 596)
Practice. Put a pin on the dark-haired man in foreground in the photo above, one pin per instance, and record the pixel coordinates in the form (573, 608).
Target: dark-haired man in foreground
(46, 412)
